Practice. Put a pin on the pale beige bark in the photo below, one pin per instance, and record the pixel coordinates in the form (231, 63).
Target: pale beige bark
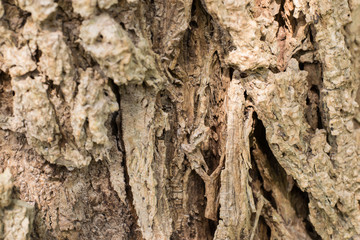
(182, 119)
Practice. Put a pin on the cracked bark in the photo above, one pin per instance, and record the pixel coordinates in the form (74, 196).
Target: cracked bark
(183, 119)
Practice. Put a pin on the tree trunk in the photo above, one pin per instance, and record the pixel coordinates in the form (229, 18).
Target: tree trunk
(181, 119)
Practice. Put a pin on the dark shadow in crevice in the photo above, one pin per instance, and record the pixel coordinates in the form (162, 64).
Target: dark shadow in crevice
(312, 111)
(6, 94)
(117, 131)
(116, 117)
(259, 135)
(277, 171)
(301, 65)
(212, 227)
(311, 230)
(278, 178)
(231, 73)
(278, 17)
(315, 89)
(299, 201)
(265, 230)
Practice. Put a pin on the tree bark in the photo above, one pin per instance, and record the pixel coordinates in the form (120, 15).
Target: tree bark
(181, 119)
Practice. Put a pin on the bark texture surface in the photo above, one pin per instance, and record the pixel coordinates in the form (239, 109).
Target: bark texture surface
(181, 119)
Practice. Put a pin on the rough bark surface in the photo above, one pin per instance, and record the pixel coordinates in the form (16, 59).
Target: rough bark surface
(181, 119)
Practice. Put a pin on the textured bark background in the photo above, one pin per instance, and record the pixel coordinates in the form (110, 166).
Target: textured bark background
(179, 119)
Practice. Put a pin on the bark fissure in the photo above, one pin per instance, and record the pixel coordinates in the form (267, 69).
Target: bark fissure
(280, 190)
(117, 128)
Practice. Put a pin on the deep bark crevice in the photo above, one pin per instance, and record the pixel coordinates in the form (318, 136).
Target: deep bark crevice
(200, 58)
(117, 131)
(276, 186)
(6, 95)
(279, 16)
(311, 230)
